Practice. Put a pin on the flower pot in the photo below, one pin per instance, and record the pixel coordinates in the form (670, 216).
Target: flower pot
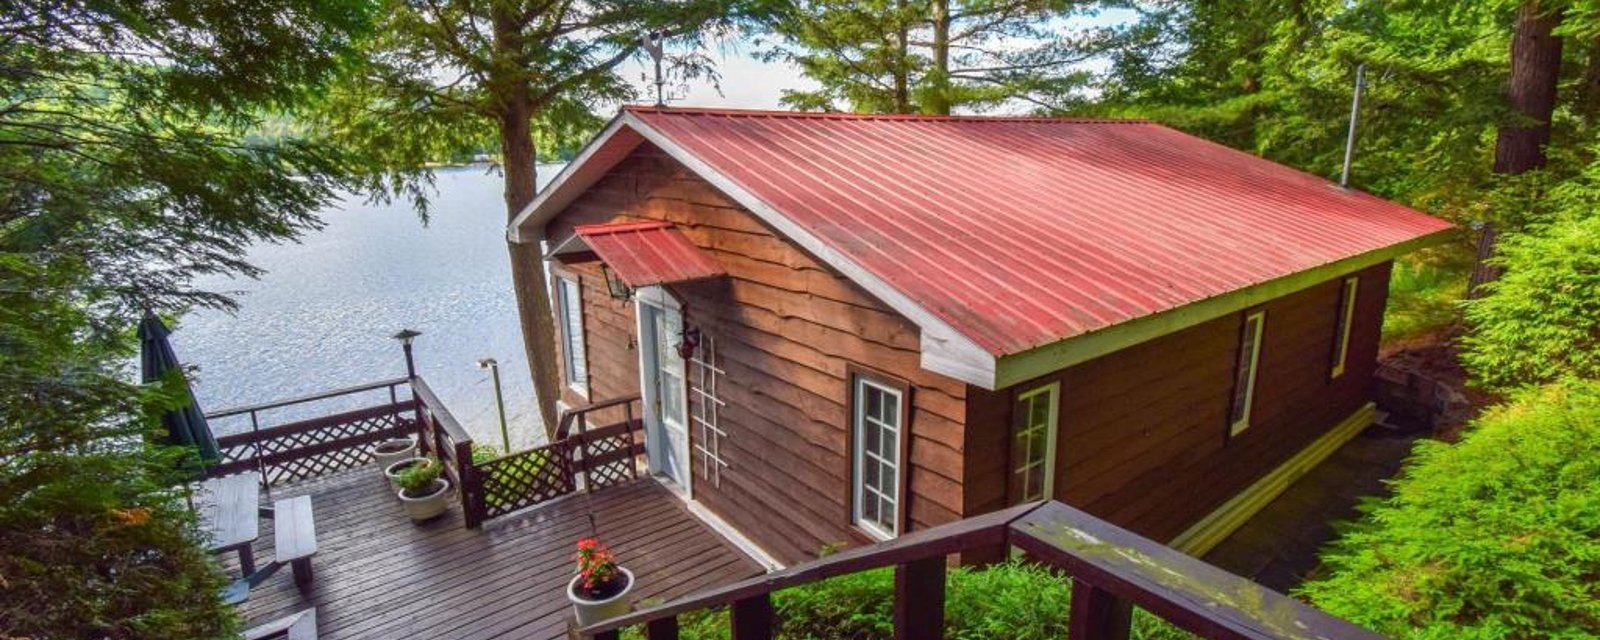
(592, 611)
(392, 472)
(389, 452)
(428, 506)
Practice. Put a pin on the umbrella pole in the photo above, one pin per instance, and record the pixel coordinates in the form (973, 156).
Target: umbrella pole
(255, 440)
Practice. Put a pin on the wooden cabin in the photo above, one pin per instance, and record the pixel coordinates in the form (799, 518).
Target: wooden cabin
(846, 327)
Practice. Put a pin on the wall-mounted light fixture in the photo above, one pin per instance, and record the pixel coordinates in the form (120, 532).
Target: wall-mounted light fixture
(618, 289)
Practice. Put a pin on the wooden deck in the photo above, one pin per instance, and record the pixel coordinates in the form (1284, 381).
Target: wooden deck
(378, 575)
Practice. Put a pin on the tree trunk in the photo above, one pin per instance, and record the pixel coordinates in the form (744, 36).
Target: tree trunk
(902, 61)
(528, 281)
(938, 102)
(1519, 146)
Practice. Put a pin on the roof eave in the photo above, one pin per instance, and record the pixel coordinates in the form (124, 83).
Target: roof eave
(584, 170)
(1027, 365)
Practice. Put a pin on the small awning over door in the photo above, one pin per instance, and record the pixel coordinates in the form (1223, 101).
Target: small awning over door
(643, 254)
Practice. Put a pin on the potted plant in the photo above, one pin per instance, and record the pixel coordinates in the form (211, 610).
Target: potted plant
(600, 590)
(422, 491)
(391, 451)
(395, 469)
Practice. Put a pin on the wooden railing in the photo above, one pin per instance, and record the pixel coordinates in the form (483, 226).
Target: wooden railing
(1112, 569)
(316, 446)
(582, 458)
(443, 436)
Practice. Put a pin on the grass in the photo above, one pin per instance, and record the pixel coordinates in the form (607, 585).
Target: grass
(1424, 293)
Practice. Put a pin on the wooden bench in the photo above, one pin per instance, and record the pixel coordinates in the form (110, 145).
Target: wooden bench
(297, 626)
(230, 515)
(295, 536)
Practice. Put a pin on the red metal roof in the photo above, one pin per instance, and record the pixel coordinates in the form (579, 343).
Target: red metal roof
(649, 253)
(1020, 232)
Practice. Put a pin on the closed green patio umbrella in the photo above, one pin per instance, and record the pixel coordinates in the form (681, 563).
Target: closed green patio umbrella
(186, 425)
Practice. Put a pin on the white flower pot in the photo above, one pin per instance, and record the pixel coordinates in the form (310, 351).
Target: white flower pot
(398, 449)
(427, 506)
(392, 472)
(592, 611)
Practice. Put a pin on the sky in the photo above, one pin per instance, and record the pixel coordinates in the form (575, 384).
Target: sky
(748, 83)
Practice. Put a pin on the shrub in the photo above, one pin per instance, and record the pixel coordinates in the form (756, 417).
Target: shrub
(1541, 320)
(1008, 600)
(1495, 537)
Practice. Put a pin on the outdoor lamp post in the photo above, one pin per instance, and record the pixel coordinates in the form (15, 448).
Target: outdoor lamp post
(405, 336)
(499, 399)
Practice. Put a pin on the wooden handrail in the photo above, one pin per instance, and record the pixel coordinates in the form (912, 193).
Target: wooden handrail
(1112, 569)
(256, 408)
(564, 423)
(447, 420)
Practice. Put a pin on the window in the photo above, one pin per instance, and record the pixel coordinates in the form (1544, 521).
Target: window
(1033, 445)
(1244, 380)
(705, 410)
(1341, 332)
(879, 415)
(570, 318)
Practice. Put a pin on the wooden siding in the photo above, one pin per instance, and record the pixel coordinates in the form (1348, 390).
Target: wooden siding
(786, 330)
(1144, 436)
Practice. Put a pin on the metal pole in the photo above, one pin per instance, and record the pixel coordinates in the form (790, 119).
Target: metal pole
(500, 403)
(1355, 115)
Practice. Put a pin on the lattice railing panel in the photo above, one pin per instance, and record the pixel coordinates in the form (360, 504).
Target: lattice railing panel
(608, 456)
(525, 479)
(313, 448)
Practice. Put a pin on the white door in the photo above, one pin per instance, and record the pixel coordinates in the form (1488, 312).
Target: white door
(662, 373)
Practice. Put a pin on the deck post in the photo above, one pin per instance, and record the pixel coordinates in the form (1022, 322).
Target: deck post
(1097, 614)
(751, 618)
(919, 599)
(662, 629)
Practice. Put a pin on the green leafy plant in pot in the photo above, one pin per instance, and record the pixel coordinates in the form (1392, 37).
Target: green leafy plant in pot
(600, 590)
(422, 491)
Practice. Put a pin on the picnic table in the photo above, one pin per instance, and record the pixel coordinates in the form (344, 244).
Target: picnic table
(230, 514)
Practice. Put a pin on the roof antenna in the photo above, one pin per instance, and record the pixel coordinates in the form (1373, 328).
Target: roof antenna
(1355, 115)
(652, 42)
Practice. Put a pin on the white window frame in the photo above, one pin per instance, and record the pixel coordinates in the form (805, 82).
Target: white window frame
(859, 455)
(1021, 473)
(1347, 318)
(574, 361)
(1253, 362)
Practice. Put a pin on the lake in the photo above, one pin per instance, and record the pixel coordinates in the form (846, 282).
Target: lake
(322, 316)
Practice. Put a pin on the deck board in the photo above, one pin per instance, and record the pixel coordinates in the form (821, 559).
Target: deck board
(378, 575)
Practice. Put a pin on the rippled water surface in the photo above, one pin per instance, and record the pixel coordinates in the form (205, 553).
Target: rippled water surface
(322, 315)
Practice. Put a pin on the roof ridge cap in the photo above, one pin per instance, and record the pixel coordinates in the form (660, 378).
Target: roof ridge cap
(891, 117)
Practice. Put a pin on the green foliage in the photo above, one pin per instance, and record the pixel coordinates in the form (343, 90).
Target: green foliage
(1007, 600)
(1495, 537)
(126, 171)
(1425, 292)
(443, 81)
(1541, 320)
(417, 479)
(886, 55)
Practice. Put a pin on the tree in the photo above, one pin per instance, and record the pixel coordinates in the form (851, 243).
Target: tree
(1531, 91)
(935, 56)
(444, 76)
(1541, 321)
(125, 172)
